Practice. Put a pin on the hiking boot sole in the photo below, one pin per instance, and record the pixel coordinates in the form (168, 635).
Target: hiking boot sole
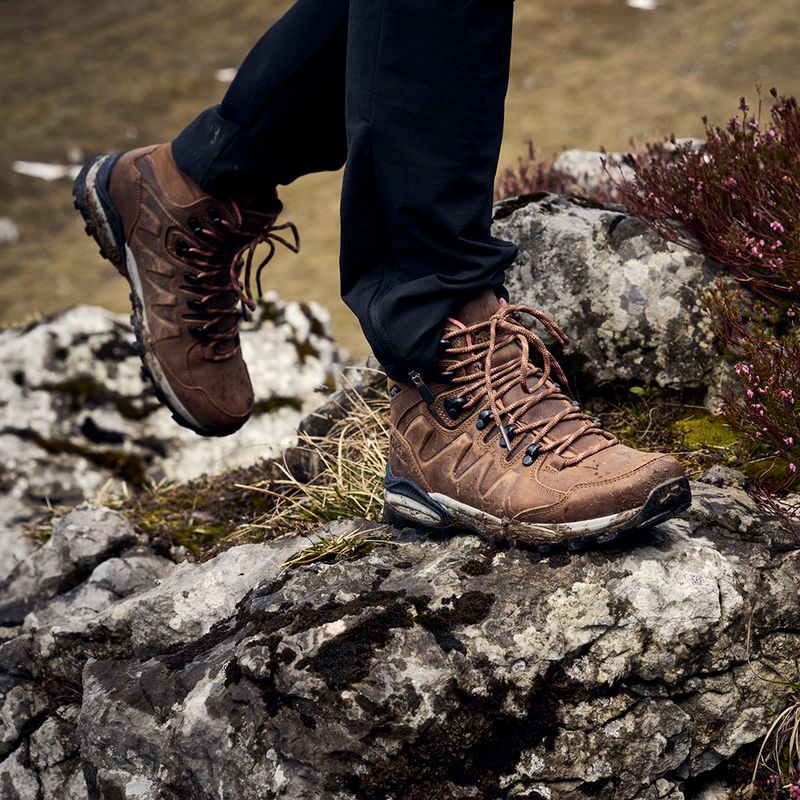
(91, 197)
(408, 505)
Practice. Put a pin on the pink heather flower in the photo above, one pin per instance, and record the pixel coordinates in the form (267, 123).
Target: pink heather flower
(789, 441)
(776, 226)
(792, 468)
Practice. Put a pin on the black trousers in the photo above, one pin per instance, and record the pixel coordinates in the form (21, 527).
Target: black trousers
(409, 94)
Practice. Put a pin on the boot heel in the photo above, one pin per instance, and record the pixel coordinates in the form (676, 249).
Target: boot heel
(408, 505)
(90, 197)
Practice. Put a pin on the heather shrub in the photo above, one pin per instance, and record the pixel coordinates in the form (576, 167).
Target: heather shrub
(735, 199)
(764, 341)
(532, 175)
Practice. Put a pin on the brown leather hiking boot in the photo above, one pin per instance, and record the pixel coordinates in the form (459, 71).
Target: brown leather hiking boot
(182, 252)
(493, 444)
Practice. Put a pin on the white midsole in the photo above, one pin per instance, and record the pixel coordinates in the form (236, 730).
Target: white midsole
(152, 362)
(412, 509)
(91, 185)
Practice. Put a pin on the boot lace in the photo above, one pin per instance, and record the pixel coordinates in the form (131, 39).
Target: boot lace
(223, 285)
(491, 382)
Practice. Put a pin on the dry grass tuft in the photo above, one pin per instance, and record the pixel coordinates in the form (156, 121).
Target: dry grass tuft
(331, 549)
(776, 774)
(352, 463)
(777, 770)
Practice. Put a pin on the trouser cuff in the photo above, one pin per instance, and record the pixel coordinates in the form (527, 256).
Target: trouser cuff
(219, 156)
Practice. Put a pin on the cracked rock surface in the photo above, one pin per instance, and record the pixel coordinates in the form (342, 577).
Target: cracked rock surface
(431, 667)
(627, 299)
(76, 413)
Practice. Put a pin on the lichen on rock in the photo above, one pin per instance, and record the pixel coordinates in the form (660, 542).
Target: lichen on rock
(436, 666)
(76, 413)
(629, 301)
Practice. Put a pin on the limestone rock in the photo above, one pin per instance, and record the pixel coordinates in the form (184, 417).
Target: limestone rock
(15, 546)
(720, 475)
(75, 412)
(80, 541)
(593, 169)
(432, 666)
(130, 602)
(628, 300)
(447, 668)
(588, 170)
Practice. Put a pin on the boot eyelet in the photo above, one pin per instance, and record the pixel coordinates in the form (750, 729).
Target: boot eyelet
(598, 421)
(483, 419)
(196, 305)
(191, 278)
(509, 431)
(530, 453)
(195, 226)
(198, 331)
(443, 347)
(575, 403)
(444, 376)
(181, 248)
(215, 216)
(453, 406)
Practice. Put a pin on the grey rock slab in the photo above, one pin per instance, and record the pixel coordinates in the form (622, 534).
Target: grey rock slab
(17, 782)
(15, 546)
(720, 475)
(588, 168)
(185, 605)
(110, 581)
(126, 601)
(80, 541)
(76, 416)
(628, 300)
(47, 765)
(451, 667)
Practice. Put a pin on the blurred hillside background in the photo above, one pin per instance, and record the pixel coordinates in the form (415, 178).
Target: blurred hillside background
(82, 77)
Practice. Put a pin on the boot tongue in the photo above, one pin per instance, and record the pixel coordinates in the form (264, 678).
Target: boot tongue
(258, 212)
(473, 313)
(477, 310)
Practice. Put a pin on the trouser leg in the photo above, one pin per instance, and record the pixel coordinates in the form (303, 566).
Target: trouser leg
(283, 115)
(423, 85)
(426, 85)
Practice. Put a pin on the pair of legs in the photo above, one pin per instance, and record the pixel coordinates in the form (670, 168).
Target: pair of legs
(410, 95)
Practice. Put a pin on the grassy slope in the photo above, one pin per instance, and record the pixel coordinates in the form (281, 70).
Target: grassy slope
(113, 74)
